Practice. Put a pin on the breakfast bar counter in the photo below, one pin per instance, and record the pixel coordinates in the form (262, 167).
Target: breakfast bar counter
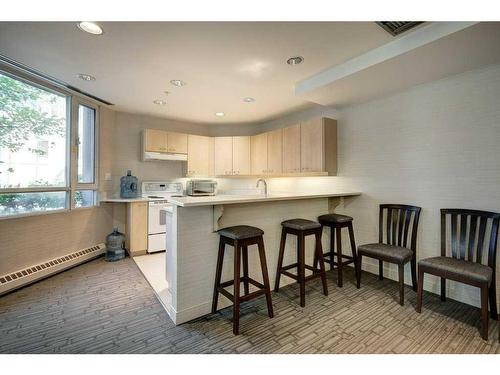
(192, 241)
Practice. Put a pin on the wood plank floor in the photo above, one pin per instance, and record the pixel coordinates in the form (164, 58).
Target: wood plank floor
(104, 307)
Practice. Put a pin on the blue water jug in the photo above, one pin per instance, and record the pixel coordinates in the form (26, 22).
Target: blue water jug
(115, 249)
(128, 186)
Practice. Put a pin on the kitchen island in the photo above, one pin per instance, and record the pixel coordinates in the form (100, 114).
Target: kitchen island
(192, 241)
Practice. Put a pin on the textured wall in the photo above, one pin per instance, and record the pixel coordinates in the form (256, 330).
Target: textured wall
(435, 146)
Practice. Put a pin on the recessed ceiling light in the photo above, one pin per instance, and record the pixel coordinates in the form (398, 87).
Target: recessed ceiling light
(159, 102)
(248, 99)
(296, 60)
(86, 77)
(220, 114)
(178, 82)
(90, 27)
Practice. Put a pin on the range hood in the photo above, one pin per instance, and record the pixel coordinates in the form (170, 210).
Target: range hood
(148, 155)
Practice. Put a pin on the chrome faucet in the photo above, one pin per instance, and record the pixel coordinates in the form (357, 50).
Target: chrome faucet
(265, 185)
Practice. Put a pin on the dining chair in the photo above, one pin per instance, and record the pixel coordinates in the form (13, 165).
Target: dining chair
(468, 255)
(399, 245)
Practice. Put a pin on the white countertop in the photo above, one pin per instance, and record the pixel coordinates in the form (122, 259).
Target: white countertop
(234, 199)
(126, 200)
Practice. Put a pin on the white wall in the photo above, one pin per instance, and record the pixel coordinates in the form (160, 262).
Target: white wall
(435, 146)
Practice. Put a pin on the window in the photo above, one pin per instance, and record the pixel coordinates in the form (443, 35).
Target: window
(86, 144)
(36, 130)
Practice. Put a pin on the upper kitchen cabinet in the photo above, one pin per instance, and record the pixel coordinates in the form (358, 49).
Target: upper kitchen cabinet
(200, 156)
(267, 153)
(223, 156)
(177, 143)
(232, 156)
(275, 151)
(318, 146)
(155, 140)
(259, 154)
(291, 149)
(241, 156)
(162, 141)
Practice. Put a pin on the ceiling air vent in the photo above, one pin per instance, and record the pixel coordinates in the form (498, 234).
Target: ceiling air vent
(397, 27)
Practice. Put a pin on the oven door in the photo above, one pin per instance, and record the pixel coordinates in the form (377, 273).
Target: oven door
(156, 218)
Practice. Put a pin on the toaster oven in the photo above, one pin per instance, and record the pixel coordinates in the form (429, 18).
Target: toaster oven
(201, 187)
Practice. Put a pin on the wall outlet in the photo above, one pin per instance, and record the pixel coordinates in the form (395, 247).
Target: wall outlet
(107, 176)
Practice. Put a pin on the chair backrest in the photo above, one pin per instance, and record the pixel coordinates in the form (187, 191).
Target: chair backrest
(399, 222)
(469, 235)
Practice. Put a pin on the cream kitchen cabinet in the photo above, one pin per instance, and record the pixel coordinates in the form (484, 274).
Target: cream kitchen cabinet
(223, 156)
(162, 141)
(136, 238)
(318, 146)
(177, 143)
(200, 153)
(241, 156)
(291, 149)
(259, 154)
(267, 153)
(155, 140)
(232, 156)
(275, 152)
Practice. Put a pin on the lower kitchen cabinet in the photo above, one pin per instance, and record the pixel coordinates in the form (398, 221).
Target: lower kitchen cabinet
(136, 239)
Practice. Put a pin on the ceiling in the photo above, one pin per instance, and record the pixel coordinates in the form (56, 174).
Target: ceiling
(221, 63)
(433, 52)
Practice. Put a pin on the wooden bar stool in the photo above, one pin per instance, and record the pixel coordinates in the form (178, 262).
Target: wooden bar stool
(301, 228)
(240, 237)
(336, 222)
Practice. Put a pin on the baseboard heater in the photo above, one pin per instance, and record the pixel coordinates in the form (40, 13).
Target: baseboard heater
(28, 275)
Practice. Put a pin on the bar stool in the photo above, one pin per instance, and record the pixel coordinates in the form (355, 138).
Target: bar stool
(301, 228)
(336, 222)
(240, 237)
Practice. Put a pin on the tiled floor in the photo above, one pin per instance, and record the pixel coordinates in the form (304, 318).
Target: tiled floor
(104, 307)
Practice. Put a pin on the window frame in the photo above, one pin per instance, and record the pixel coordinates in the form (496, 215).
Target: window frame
(75, 106)
(73, 101)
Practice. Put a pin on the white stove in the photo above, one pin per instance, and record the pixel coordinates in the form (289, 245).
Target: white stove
(158, 193)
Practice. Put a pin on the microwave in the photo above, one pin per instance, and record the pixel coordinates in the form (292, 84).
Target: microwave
(201, 187)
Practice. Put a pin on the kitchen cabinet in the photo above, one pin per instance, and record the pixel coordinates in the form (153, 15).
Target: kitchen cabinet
(137, 228)
(241, 156)
(308, 148)
(223, 156)
(267, 153)
(259, 154)
(198, 150)
(275, 151)
(162, 141)
(177, 143)
(318, 146)
(291, 149)
(231, 156)
(155, 140)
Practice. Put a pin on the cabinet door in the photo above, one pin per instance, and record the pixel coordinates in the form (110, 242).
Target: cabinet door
(198, 155)
(258, 147)
(311, 146)
(241, 155)
(155, 140)
(223, 156)
(275, 151)
(291, 149)
(137, 228)
(177, 143)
